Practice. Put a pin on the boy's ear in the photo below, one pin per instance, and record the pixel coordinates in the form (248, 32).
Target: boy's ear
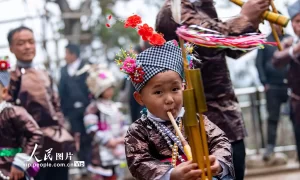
(138, 97)
(4, 93)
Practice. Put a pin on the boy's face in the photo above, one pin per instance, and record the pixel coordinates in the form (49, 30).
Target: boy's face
(161, 94)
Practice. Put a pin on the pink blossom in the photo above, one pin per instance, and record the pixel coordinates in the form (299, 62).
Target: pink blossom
(102, 76)
(129, 65)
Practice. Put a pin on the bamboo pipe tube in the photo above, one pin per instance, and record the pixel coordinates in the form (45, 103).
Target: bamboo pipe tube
(274, 32)
(276, 37)
(275, 11)
(199, 155)
(192, 129)
(197, 84)
(268, 15)
(186, 146)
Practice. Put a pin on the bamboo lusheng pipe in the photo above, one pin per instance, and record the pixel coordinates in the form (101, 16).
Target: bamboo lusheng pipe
(274, 32)
(192, 127)
(196, 79)
(186, 146)
(276, 37)
(268, 15)
(272, 17)
(275, 11)
(192, 130)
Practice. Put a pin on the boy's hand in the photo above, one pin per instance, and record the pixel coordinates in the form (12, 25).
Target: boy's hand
(186, 171)
(15, 173)
(253, 10)
(215, 166)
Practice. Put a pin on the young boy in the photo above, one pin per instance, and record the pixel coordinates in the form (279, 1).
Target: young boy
(150, 139)
(19, 134)
(105, 123)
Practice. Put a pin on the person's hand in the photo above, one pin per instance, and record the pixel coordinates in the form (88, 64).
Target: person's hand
(296, 49)
(112, 143)
(253, 9)
(186, 171)
(215, 166)
(287, 42)
(15, 173)
(77, 141)
(121, 140)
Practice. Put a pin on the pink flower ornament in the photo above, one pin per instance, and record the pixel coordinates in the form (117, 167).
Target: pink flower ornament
(102, 76)
(129, 65)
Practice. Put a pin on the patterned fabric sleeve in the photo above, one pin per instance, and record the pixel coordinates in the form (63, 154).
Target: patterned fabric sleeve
(219, 145)
(29, 128)
(13, 87)
(56, 103)
(141, 163)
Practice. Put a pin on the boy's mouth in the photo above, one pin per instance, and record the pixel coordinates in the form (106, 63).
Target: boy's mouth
(172, 111)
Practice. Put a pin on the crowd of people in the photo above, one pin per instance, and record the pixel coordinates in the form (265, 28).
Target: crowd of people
(33, 116)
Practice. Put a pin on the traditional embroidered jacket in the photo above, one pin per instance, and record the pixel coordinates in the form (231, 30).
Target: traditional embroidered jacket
(32, 88)
(147, 150)
(18, 131)
(104, 119)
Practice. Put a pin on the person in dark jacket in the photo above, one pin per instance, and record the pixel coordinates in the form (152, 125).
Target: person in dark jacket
(74, 96)
(275, 83)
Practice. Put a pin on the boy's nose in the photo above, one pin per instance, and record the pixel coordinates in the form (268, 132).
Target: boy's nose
(169, 99)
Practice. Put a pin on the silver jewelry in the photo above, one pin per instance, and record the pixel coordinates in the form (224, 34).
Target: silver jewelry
(3, 176)
(163, 131)
(4, 105)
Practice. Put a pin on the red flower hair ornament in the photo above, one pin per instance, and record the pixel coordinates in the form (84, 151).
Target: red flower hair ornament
(128, 65)
(4, 65)
(133, 21)
(144, 30)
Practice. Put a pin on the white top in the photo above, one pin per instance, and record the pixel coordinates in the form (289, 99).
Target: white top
(73, 67)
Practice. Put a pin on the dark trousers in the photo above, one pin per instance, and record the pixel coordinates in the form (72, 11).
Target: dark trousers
(51, 173)
(295, 117)
(275, 97)
(239, 155)
(85, 151)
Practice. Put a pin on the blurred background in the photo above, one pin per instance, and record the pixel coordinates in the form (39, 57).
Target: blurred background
(57, 22)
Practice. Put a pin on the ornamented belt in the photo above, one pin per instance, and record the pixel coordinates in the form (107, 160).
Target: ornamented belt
(8, 152)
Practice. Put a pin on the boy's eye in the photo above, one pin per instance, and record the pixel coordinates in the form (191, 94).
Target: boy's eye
(176, 89)
(157, 92)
